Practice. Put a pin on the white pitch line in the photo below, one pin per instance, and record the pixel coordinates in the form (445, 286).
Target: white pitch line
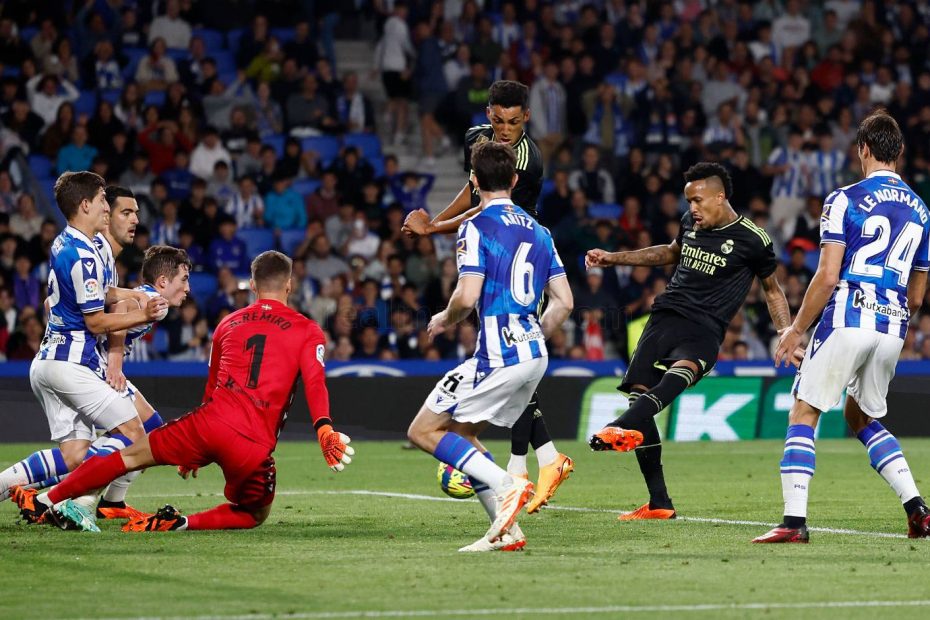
(431, 498)
(612, 609)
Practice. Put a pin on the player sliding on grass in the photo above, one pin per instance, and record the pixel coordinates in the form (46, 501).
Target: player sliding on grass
(506, 260)
(872, 275)
(507, 113)
(258, 354)
(717, 253)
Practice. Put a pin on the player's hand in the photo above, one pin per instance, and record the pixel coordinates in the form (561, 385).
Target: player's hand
(416, 223)
(798, 356)
(156, 308)
(187, 472)
(437, 325)
(789, 341)
(596, 258)
(116, 379)
(335, 447)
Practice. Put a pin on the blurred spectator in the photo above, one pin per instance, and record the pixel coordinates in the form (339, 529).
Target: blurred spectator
(284, 208)
(266, 66)
(353, 109)
(62, 62)
(77, 154)
(139, 177)
(167, 228)
(129, 107)
(43, 41)
(410, 189)
(26, 287)
(548, 110)
(162, 141)
(431, 90)
(171, 27)
(45, 98)
(302, 48)
(209, 151)
(393, 57)
(188, 333)
(322, 264)
(797, 268)
(21, 119)
(156, 70)
(309, 112)
(228, 250)
(27, 221)
(268, 113)
(788, 166)
(324, 201)
(220, 185)
(246, 205)
(339, 226)
(8, 194)
(592, 179)
(25, 342)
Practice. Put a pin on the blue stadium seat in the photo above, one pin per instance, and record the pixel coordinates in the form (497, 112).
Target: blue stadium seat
(86, 103)
(48, 188)
(548, 186)
(232, 39)
(290, 239)
(604, 211)
(368, 143)
(257, 240)
(41, 166)
(203, 285)
(160, 340)
(111, 94)
(275, 141)
(155, 98)
(134, 56)
(10, 71)
(479, 118)
(213, 40)
(283, 35)
(377, 164)
(326, 146)
(225, 61)
(178, 55)
(227, 77)
(305, 187)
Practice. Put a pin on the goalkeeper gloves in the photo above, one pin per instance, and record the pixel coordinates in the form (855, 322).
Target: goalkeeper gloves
(335, 450)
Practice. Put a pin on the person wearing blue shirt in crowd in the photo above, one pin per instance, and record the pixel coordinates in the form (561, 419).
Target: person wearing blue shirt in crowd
(77, 154)
(284, 208)
(410, 189)
(179, 178)
(227, 250)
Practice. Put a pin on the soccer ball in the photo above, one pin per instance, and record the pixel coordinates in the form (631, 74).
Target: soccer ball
(453, 482)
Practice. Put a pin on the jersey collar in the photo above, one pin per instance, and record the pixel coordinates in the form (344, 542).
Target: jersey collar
(520, 141)
(884, 173)
(77, 234)
(498, 201)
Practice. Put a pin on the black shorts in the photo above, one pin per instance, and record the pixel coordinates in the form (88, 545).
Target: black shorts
(668, 338)
(396, 86)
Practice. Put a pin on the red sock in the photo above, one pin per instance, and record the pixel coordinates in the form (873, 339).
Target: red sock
(94, 473)
(223, 517)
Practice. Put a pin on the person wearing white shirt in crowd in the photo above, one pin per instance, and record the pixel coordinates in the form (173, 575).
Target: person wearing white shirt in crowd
(788, 167)
(393, 57)
(547, 110)
(457, 68)
(508, 30)
(209, 151)
(246, 206)
(791, 29)
(171, 27)
(826, 165)
(362, 241)
(44, 97)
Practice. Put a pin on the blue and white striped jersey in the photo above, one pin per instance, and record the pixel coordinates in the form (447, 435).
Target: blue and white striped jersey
(517, 258)
(885, 227)
(110, 277)
(825, 167)
(132, 334)
(77, 286)
(793, 182)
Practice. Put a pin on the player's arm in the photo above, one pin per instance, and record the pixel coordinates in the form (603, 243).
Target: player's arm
(116, 347)
(815, 299)
(654, 256)
(559, 304)
(463, 300)
(100, 322)
(116, 294)
(313, 370)
(916, 288)
(448, 220)
(777, 302)
(214, 362)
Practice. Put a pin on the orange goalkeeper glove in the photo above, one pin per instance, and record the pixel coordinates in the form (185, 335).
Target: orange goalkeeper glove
(335, 450)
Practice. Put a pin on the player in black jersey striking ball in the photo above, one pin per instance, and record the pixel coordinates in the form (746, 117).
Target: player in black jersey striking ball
(718, 253)
(507, 114)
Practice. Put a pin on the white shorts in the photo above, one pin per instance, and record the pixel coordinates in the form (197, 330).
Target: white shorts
(75, 400)
(858, 360)
(500, 397)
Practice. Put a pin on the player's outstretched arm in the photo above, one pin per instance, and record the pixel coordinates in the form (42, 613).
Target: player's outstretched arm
(463, 300)
(815, 300)
(559, 305)
(101, 322)
(654, 256)
(448, 220)
(116, 294)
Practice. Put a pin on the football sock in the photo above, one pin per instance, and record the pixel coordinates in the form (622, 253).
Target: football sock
(152, 423)
(223, 517)
(458, 452)
(650, 465)
(888, 460)
(517, 465)
(485, 494)
(797, 469)
(520, 440)
(116, 491)
(546, 453)
(93, 474)
(539, 432)
(675, 381)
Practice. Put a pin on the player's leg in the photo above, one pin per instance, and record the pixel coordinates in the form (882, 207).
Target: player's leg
(865, 405)
(482, 491)
(554, 467)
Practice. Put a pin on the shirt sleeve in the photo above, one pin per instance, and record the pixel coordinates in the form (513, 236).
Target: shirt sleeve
(87, 279)
(214, 363)
(470, 254)
(313, 371)
(922, 259)
(764, 263)
(556, 268)
(777, 157)
(833, 218)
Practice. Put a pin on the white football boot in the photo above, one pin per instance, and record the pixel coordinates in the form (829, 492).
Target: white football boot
(512, 540)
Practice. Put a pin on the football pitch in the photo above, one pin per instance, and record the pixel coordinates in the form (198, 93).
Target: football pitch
(379, 541)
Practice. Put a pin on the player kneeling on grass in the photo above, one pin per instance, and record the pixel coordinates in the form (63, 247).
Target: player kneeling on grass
(506, 261)
(872, 275)
(258, 353)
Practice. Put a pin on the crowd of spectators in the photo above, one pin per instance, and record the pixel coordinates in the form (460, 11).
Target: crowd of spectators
(235, 127)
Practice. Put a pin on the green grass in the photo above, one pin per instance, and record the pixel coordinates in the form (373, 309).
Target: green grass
(323, 552)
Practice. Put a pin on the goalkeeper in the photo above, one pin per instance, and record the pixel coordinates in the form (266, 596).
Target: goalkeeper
(258, 354)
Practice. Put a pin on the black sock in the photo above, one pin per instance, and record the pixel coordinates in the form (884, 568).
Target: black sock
(647, 406)
(521, 430)
(650, 465)
(539, 433)
(794, 522)
(913, 504)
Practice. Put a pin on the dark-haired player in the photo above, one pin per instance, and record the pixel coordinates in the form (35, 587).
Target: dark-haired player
(258, 354)
(718, 252)
(507, 113)
(872, 275)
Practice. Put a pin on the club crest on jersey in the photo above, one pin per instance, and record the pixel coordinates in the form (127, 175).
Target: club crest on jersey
(727, 246)
(482, 139)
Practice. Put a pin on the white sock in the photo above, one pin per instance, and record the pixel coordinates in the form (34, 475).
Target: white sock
(486, 471)
(517, 465)
(797, 469)
(489, 500)
(116, 491)
(546, 453)
(88, 502)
